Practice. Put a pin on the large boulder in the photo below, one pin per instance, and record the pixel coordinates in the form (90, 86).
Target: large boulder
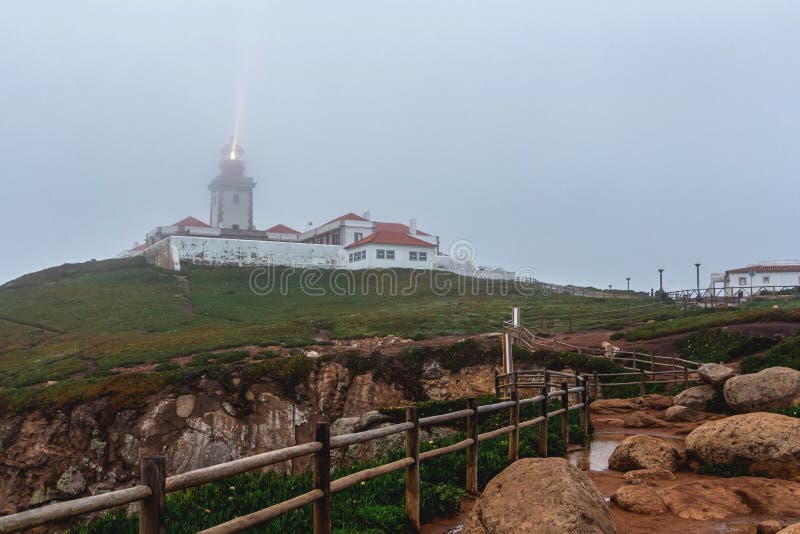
(720, 499)
(641, 420)
(682, 414)
(758, 392)
(648, 476)
(540, 496)
(715, 374)
(696, 398)
(791, 529)
(766, 442)
(639, 500)
(643, 452)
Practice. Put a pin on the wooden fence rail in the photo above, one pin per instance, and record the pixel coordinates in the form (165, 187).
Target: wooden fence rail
(151, 492)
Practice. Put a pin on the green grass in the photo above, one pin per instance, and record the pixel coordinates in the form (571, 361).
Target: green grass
(784, 354)
(709, 319)
(719, 345)
(119, 313)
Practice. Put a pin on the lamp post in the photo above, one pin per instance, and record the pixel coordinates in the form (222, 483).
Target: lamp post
(697, 266)
(661, 280)
(628, 279)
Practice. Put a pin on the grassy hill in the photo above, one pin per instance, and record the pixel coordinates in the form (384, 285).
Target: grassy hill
(88, 318)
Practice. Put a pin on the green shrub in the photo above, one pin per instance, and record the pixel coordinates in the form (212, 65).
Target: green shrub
(720, 345)
(791, 412)
(784, 354)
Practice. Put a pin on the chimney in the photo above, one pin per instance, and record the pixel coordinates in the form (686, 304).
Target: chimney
(367, 215)
(412, 226)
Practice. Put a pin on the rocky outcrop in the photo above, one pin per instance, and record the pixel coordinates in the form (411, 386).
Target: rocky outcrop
(682, 414)
(639, 500)
(696, 398)
(715, 374)
(540, 495)
(641, 420)
(791, 529)
(769, 527)
(648, 476)
(721, 499)
(771, 388)
(765, 442)
(643, 452)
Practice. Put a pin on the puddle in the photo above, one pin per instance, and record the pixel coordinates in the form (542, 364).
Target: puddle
(594, 457)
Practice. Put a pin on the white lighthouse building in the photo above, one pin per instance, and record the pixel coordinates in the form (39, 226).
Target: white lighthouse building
(232, 191)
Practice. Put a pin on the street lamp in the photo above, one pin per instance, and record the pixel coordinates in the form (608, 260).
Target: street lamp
(628, 279)
(697, 266)
(661, 280)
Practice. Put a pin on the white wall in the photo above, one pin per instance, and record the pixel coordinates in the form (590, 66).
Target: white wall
(400, 261)
(775, 279)
(234, 214)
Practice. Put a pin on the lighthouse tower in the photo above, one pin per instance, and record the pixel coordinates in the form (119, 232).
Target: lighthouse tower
(232, 191)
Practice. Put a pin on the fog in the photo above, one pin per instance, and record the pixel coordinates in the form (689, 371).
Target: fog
(589, 141)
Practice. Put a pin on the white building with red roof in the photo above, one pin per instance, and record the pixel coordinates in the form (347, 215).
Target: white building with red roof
(764, 275)
(349, 241)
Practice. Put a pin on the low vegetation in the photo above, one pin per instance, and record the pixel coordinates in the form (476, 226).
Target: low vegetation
(720, 345)
(784, 354)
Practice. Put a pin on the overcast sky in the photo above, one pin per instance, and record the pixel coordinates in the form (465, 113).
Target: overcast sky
(589, 141)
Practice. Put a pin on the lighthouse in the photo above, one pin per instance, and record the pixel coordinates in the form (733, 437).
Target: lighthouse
(232, 191)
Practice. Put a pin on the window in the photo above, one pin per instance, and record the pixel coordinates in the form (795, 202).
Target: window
(358, 236)
(380, 254)
(423, 256)
(351, 257)
(765, 281)
(358, 256)
(236, 199)
(390, 254)
(235, 226)
(742, 280)
(412, 255)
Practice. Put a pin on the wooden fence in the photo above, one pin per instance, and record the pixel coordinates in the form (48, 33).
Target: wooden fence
(155, 485)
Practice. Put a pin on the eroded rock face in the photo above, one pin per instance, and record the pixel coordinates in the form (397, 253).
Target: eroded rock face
(696, 398)
(715, 374)
(639, 500)
(763, 441)
(682, 414)
(771, 388)
(641, 420)
(540, 495)
(643, 452)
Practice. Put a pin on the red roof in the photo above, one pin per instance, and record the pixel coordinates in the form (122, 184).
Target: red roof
(347, 217)
(191, 221)
(395, 227)
(785, 268)
(281, 229)
(139, 248)
(391, 238)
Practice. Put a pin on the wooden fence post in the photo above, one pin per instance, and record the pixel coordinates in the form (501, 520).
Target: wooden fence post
(597, 390)
(543, 423)
(153, 510)
(685, 377)
(472, 450)
(412, 471)
(565, 415)
(652, 363)
(642, 388)
(513, 437)
(322, 479)
(497, 383)
(585, 409)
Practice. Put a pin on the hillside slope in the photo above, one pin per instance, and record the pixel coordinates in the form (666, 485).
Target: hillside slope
(85, 319)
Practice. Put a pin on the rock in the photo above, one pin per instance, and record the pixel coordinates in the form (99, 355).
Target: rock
(769, 527)
(791, 529)
(229, 409)
(540, 495)
(370, 419)
(767, 442)
(643, 452)
(648, 476)
(312, 354)
(654, 402)
(640, 420)
(71, 483)
(99, 447)
(184, 406)
(721, 499)
(696, 398)
(773, 387)
(639, 500)
(612, 406)
(432, 370)
(715, 374)
(41, 496)
(681, 414)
